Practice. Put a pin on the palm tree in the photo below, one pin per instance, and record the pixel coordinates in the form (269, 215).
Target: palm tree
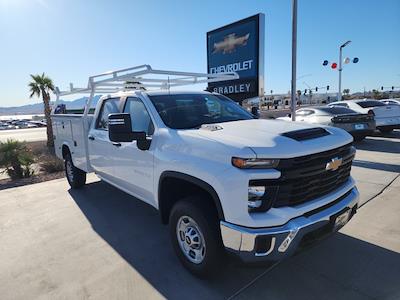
(41, 85)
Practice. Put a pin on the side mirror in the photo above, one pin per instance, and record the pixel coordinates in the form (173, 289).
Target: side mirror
(120, 129)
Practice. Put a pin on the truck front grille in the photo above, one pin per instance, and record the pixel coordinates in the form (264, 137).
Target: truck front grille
(305, 178)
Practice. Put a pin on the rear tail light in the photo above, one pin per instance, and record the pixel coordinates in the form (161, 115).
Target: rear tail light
(371, 113)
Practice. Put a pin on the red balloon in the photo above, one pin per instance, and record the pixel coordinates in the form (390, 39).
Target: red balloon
(334, 65)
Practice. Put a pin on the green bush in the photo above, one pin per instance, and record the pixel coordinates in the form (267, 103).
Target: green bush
(16, 159)
(51, 164)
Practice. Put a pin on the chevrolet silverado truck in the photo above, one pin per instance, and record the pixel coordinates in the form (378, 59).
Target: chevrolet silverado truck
(222, 180)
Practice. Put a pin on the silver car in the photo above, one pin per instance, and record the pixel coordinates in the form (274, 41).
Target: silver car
(358, 125)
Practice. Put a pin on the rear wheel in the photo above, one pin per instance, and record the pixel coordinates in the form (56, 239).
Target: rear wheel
(76, 177)
(195, 236)
(386, 130)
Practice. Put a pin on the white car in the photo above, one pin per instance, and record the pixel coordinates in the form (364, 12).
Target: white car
(387, 117)
(221, 179)
(358, 125)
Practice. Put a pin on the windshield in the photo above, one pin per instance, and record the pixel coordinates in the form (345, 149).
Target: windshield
(336, 110)
(371, 103)
(185, 111)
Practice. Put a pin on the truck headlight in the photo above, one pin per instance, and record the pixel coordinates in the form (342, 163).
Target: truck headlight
(260, 196)
(254, 163)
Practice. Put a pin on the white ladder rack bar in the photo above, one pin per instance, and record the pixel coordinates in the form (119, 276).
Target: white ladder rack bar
(128, 78)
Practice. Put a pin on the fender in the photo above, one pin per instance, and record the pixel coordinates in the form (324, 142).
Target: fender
(196, 181)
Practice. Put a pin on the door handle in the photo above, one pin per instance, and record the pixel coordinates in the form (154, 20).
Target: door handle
(91, 137)
(117, 144)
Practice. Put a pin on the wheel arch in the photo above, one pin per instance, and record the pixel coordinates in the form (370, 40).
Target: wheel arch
(165, 202)
(65, 150)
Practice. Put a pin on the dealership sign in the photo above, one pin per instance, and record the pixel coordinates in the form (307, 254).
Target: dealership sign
(238, 47)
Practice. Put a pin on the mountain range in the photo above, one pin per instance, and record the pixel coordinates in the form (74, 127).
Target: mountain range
(37, 108)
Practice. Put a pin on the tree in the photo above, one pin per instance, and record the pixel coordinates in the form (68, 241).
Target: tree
(376, 94)
(16, 158)
(41, 85)
(346, 91)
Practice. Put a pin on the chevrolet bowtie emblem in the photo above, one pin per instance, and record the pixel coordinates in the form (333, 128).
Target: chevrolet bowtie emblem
(334, 164)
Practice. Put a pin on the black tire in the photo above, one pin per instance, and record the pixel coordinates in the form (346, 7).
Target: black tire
(76, 177)
(385, 130)
(205, 217)
(359, 138)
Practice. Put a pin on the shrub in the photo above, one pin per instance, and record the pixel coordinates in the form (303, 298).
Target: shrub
(16, 158)
(51, 164)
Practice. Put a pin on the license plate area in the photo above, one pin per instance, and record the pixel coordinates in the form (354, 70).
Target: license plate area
(359, 126)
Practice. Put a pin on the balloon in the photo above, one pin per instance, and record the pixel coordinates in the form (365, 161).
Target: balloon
(346, 60)
(334, 65)
(355, 60)
(325, 63)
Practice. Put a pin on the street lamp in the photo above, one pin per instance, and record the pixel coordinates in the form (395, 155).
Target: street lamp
(340, 70)
(294, 60)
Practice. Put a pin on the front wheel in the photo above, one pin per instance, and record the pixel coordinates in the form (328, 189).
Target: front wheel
(195, 236)
(76, 177)
(385, 130)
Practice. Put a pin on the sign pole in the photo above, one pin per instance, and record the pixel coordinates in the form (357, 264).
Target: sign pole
(294, 58)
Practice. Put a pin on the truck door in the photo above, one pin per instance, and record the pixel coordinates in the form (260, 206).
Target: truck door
(134, 167)
(101, 149)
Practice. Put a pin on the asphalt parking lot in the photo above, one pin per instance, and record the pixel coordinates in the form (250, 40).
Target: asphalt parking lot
(101, 243)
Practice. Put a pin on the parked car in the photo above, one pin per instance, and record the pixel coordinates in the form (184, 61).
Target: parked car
(222, 180)
(387, 117)
(391, 101)
(358, 125)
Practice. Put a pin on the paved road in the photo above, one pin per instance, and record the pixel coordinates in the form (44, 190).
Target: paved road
(101, 243)
(28, 135)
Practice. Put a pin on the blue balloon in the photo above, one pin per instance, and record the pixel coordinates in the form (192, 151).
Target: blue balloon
(325, 63)
(355, 60)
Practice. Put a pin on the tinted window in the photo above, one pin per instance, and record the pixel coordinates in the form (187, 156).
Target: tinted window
(391, 102)
(184, 111)
(140, 117)
(370, 103)
(110, 106)
(340, 104)
(336, 110)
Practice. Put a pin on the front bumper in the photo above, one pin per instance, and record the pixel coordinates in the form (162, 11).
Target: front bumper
(276, 243)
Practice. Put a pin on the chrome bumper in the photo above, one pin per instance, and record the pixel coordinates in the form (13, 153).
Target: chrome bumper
(275, 243)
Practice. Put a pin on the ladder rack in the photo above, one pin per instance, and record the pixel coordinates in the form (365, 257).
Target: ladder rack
(143, 77)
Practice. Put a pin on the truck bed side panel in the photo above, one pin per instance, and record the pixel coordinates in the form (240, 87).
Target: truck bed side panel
(70, 131)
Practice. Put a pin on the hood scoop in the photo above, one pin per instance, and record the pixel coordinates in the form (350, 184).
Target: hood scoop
(211, 127)
(306, 134)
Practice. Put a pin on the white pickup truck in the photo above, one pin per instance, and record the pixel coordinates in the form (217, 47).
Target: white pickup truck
(222, 180)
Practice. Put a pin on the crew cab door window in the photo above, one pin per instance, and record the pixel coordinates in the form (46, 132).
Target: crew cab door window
(101, 150)
(109, 106)
(140, 117)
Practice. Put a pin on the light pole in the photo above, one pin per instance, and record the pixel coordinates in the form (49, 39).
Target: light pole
(340, 70)
(294, 52)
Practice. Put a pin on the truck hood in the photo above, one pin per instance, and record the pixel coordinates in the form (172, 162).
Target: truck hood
(265, 137)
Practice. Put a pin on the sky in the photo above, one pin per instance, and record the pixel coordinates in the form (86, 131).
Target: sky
(70, 40)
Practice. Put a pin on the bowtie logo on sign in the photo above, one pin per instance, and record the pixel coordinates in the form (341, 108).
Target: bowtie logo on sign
(230, 43)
